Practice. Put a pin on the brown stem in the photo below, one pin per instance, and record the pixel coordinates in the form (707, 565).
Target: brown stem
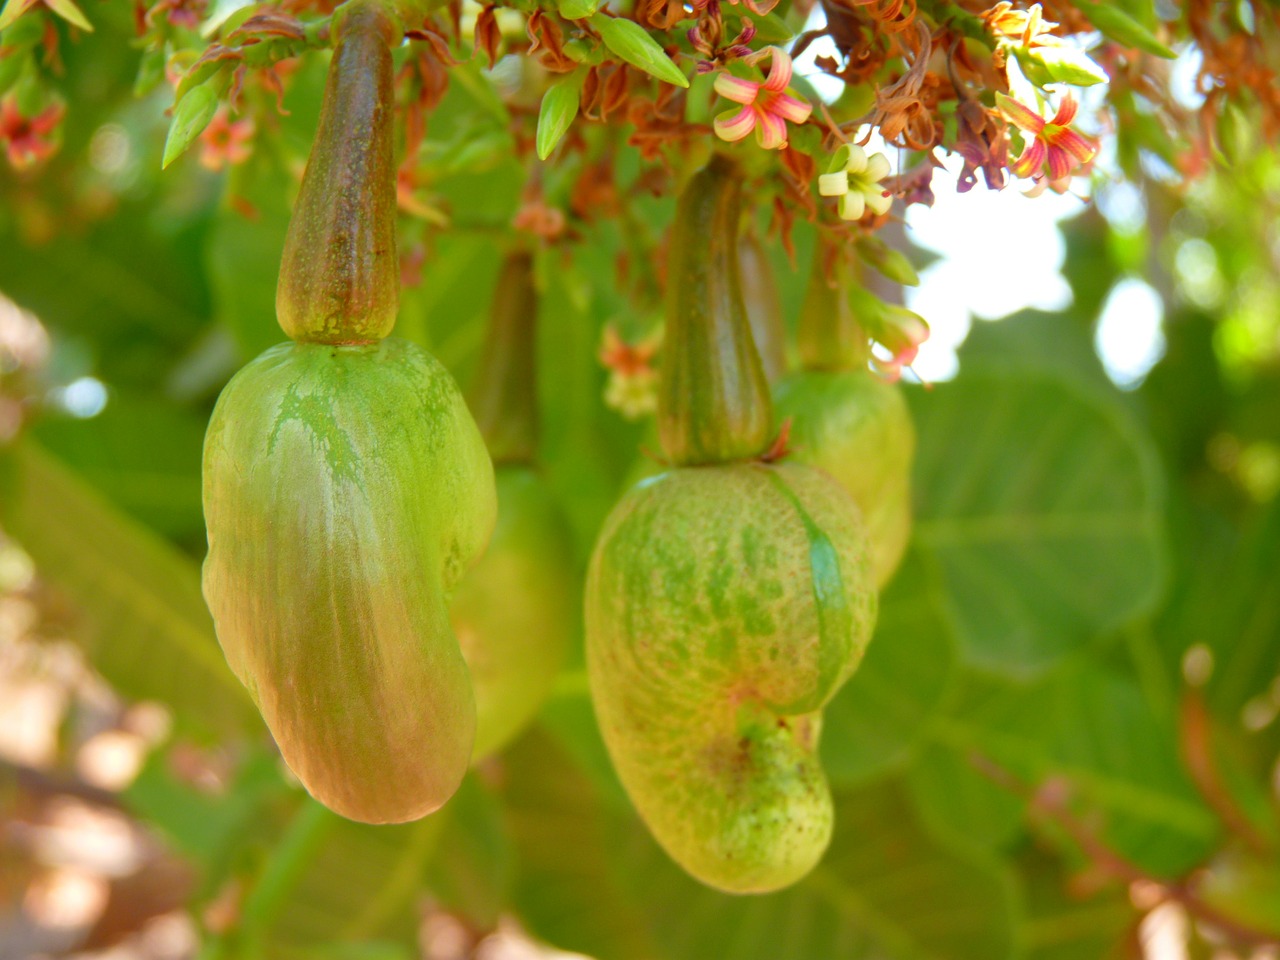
(1049, 800)
(340, 276)
(1196, 739)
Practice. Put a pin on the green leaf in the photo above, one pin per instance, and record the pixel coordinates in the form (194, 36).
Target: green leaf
(471, 870)
(1039, 507)
(632, 43)
(771, 28)
(878, 717)
(559, 107)
(330, 880)
(1117, 25)
(888, 261)
(13, 9)
(1090, 727)
(146, 627)
(191, 115)
(885, 889)
(577, 9)
(568, 893)
(1064, 922)
(69, 12)
(142, 455)
(1044, 65)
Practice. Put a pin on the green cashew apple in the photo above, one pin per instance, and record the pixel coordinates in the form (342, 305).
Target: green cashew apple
(515, 613)
(848, 421)
(856, 427)
(346, 490)
(517, 609)
(728, 598)
(346, 487)
(725, 607)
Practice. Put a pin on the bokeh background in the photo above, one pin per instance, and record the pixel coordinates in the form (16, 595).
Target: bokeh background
(1062, 745)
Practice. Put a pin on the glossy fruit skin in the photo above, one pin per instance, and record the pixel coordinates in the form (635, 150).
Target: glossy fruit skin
(346, 491)
(856, 427)
(725, 606)
(515, 612)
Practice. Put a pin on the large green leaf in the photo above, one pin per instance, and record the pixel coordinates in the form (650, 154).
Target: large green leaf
(471, 871)
(330, 880)
(145, 625)
(877, 718)
(1089, 727)
(1039, 507)
(885, 890)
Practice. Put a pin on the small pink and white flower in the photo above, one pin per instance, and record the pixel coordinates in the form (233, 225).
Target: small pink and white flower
(766, 106)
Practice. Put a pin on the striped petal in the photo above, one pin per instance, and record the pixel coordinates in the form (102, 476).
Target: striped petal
(1031, 161)
(1060, 163)
(1019, 114)
(877, 202)
(833, 184)
(852, 206)
(1066, 112)
(735, 88)
(734, 125)
(790, 108)
(771, 131)
(1074, 144)
(779, 70)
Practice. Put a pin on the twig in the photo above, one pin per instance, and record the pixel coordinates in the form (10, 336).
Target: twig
(1050, 800)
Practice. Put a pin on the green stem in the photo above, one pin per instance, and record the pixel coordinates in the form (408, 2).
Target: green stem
(340, 275)
(830, 335)
(504, 396)
(764, 307)
(713, 404)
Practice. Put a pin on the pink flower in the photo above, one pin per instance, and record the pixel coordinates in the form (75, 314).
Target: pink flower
(225, 141)
(1052, 141)
(766, 107)
(28, 140)
(900, 332)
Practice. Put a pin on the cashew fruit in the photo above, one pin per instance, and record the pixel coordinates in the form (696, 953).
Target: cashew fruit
(728, 598)
(346, 486)
(346, 490)
(857, 427)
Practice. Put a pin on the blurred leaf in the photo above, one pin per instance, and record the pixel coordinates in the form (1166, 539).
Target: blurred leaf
(884, 889)
(876, 719)
(1044, 524)
(1122, 28)
(191, 115)
(330, 880)
(471, 870)
(633, 43)
(1067, 924)
(213, 829)
(243, 256)
(559, 107)
(959, 803)
(1245, 887)
(565, 891)
(1090, 727)
(142, 455)
(890, 262)
(146, 627)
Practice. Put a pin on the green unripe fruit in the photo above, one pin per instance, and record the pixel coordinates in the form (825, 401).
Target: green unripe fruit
(856, 427)
(515, 612)
(725, 606)
(346, 491)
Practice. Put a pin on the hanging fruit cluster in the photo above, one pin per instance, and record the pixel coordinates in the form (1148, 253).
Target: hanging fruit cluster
(389, 573)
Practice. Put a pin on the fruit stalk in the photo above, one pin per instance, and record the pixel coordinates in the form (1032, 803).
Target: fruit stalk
(830, 337)
(713, 404)
(504, 396)
(340, 276)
